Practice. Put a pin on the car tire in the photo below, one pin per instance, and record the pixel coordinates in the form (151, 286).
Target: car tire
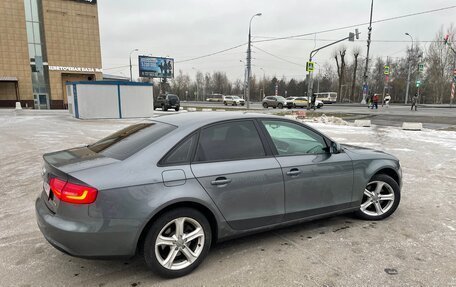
(265, 105)
(177, 108)
(156, 255)
(380, 199)
(225, 103)
(242, 104)
(280, 106)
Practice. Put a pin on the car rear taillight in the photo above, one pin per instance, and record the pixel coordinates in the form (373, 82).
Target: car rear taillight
(71, 192)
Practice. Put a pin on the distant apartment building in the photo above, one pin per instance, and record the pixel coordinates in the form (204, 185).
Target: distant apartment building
(43, 45)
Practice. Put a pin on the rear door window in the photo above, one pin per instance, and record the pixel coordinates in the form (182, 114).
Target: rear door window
(130, 140)
(230, 141)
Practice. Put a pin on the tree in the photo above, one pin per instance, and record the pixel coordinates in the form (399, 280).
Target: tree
(340, 68)
(356, 52)
(292, 88)
(440, 62)
(180, 84)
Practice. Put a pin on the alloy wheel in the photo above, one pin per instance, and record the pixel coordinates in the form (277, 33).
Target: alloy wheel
(378, 198)
(179, 243)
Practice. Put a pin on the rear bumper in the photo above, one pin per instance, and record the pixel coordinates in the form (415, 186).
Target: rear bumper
(91, 237)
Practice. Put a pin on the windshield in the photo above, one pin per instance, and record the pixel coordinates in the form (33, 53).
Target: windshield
(236, 97)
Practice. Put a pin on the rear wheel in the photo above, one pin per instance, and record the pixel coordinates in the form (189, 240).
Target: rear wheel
(380, 199)
(265, 105)
(177, 242)
(280, 106)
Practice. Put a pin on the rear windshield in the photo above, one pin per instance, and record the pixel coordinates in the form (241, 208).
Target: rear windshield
(130, 140)
(172, 97)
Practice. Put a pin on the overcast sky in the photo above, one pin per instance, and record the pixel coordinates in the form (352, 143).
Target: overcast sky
(190, 28)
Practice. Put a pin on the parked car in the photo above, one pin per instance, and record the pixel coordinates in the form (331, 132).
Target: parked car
(290, 102)
(168, 101)
(274, 101)
(301, 102)
(170, 187)
(233, 100)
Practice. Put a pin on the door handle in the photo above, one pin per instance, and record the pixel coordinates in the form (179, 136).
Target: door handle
(221, 181)
(293, 172)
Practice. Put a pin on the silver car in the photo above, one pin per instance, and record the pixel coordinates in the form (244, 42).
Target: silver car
(233, 101)
(171, 186)
(274, 101)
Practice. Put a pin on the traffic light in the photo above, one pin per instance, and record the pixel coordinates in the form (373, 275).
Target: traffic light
(445, 39)
(387, 70)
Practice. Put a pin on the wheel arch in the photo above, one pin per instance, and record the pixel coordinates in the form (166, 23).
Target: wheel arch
(390, 172)
(207, 212)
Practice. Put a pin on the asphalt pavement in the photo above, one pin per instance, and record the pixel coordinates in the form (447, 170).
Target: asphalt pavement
(432, 116)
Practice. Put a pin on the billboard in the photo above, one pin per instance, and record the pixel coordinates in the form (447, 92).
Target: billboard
(156, 67)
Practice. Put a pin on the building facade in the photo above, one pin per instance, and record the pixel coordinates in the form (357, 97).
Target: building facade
(43, 45)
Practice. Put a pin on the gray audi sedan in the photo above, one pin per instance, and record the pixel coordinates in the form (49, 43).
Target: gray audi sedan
(170, 187)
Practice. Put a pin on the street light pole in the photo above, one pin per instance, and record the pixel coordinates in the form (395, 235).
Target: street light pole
(409, 68)
(131, 72)
(249, 59)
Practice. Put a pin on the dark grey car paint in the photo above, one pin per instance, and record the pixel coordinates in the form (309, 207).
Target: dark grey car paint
(133, 191)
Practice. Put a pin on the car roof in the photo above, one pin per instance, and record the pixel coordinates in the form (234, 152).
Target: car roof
(199, 119)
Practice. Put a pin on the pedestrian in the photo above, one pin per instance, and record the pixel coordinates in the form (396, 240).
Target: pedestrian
(312, 101)
(375, 101)
(414, 102)
(387, 100)
(369, 101)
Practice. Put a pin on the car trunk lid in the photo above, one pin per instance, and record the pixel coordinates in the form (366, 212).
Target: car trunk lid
(62, 163)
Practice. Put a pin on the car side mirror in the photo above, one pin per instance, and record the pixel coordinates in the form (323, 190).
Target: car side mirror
(336, 148)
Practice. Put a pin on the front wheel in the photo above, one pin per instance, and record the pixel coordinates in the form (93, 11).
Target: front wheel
(381, 197)
(280, 106)
(177, 108)
(177, 242)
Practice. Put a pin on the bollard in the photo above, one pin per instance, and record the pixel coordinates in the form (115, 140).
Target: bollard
(18, 106)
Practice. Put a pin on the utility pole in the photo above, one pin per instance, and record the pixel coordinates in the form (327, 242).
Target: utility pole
(409, 69)
(365, 86)
(249, 60)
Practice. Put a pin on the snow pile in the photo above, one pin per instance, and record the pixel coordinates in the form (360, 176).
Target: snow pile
(330, 120)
